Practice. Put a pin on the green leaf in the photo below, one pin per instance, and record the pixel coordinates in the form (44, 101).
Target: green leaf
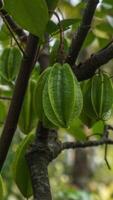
(53, 28)
(52, 4)
(69, 10)
(102, 42)
(31, 15)
(86, 119)
(108, 1)
(90, 38)
(28, 118)
(68, 22)
(4, 33)
(105, 26)
(76, 129)
(98, 127)
(3, 112)
(101, 34)
(21, 171)
(1, 188)
(36, 72)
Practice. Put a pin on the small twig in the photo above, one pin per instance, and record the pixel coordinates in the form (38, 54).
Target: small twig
(5, 98)
(105, 157)
(12, 33)
(110, 127)
(59, 10)
(106, 135)
(104, 140)
(75, 145)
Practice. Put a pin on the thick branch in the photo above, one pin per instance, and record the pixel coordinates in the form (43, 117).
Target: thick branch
(46, 148)
(75, 145)
(17, 99)
(87, 69)
(38, 165)
(82, 32)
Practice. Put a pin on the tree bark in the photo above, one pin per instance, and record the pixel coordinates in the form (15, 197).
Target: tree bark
(45, 148)
(38, 165)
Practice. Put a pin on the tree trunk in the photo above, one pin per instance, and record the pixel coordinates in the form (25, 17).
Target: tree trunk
(45, 148)
(82, 169)
(38, 164)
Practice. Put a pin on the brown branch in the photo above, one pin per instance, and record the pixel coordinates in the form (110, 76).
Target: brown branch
(91, 143)
(17, 99)
(47, 148)
(82, 31)
(95, 143)
(5, 98)
(87, 69)
(39, 172)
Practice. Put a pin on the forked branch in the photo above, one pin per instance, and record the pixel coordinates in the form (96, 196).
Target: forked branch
(80, 36)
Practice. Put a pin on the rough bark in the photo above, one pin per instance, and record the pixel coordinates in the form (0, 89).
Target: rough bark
(41, 153)
(38, 164)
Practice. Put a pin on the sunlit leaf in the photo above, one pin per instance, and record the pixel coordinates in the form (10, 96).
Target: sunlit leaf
(98, 127)
(31, 15)
(28, 118)
(76, 129)
(1, 188)
(52, 4)
(21, 172)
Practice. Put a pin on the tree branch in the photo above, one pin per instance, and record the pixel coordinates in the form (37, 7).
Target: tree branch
(18, 96)
(87, 69)
(45, 148)
(80, 35)
(5, 98)
(39, 171)
(75, 145)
